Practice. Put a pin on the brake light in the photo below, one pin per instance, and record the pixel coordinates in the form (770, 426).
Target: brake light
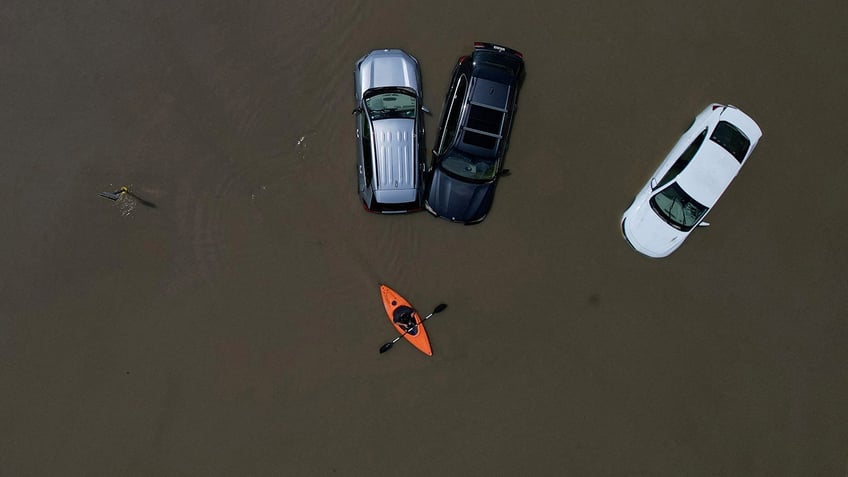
(716, 106)
(365, 206)
(479, 44)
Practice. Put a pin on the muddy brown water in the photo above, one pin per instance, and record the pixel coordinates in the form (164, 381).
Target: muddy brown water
(233, 328)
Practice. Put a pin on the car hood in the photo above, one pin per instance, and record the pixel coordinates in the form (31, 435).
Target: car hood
(648, 233)
(457, 200)
(392, 68)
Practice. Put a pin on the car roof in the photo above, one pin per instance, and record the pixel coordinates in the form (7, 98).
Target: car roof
(395, 156)
(709, 173)
(713, 168)
(490, 93)
(483, 122)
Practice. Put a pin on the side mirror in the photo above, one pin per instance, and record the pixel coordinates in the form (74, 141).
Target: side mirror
(653, 183)
(704, 224)
(356, 111)
(424, 108)
(504, 173)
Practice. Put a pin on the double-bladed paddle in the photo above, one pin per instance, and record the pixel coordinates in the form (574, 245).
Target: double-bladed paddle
(441, 307)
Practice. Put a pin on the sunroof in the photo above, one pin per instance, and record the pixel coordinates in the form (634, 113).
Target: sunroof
(485, 119)
(480, 140)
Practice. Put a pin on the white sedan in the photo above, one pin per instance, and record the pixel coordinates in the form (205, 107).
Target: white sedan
(690, 180)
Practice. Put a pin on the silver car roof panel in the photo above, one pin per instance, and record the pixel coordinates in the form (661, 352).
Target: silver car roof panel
(395, 155)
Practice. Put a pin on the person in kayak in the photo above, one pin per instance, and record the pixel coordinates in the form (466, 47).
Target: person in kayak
(406, 320)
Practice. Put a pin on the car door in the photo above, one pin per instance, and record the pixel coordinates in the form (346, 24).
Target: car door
(360, 146)
(365, 154)
(421, 146)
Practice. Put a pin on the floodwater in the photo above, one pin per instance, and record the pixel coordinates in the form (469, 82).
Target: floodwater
(226, 320)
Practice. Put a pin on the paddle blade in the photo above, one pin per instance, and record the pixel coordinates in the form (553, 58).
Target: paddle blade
(440, 308)
(386, 347)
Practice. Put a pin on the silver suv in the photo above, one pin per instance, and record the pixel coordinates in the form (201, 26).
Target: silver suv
(389, 131)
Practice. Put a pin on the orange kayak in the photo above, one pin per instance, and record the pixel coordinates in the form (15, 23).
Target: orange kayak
(404, 317)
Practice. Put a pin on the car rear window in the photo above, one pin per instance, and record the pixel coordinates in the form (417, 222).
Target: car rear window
(398, 208)
(497, 66)
(731, 138)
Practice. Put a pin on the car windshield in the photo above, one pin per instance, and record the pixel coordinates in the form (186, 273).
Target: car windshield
(678, 208)
(391, 104)
(468, 166)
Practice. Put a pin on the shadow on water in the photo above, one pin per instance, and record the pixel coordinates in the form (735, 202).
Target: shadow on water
(141, 201)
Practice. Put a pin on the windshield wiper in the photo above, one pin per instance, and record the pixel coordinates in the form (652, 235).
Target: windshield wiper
(678, 224)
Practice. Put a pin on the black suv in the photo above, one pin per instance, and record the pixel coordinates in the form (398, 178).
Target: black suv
(473, 133)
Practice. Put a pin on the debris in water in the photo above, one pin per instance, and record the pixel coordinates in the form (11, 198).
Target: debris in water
(114, 195)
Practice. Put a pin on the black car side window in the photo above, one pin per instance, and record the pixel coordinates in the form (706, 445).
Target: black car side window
(683, 160)
(367, 154)
(453, 113)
